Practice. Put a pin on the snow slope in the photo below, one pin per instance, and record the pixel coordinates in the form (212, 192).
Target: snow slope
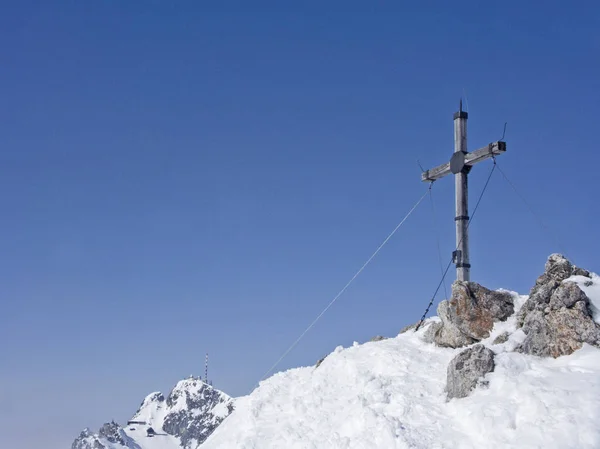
(390, 395)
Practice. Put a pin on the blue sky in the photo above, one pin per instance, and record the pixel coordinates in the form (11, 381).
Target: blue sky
(184, 177)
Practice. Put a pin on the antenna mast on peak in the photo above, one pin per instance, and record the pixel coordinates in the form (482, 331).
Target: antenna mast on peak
(206, 369)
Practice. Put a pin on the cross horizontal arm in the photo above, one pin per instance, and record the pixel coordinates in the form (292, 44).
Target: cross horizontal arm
(472, 158)
(491, 150)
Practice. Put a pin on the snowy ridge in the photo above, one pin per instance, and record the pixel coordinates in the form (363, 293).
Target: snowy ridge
(183, 420)
(390, 395)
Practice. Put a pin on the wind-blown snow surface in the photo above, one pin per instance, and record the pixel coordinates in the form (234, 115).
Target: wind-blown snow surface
(390, 394)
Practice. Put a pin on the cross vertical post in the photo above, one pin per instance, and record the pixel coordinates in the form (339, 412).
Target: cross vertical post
(460, 165)
(461, 180)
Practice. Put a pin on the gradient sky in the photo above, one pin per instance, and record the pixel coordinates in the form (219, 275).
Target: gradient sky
(188, 177)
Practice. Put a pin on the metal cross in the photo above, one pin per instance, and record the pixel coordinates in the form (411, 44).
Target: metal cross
(460, 165)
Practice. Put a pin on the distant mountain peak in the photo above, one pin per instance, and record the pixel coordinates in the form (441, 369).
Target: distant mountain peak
(184, 419)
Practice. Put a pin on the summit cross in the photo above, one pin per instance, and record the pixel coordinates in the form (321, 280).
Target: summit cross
(460, 165)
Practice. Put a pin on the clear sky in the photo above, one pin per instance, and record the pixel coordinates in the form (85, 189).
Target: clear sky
(188, 177)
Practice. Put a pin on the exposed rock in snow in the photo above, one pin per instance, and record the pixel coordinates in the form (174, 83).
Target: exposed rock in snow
(112, 432)
(466, 370)
(109, 436)
(559, 268)
(557, 318)
(197, 409)
(502, 338)
(469, 315)
(85, 440)
(446, 333)
(566, 295)
(556, 270)
(189, 414)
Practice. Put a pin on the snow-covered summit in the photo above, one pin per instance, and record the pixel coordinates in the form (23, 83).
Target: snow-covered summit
(391, 394)
(496, 370)
(184, 419)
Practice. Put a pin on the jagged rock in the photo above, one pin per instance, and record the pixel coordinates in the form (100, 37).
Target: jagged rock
(199, 399)
(559, 332)
(469, 315)
(502, 338)
(566, 295)
(556, 270)
(466, 369)
(556, 318)
(86, 440)
(559, 268)
(111, 431)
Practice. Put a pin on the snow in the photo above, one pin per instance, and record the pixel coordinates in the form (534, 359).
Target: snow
(390, 395)
(152, 412)
(142, 441)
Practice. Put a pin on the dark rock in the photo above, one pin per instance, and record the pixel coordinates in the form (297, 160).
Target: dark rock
(556, 318)
(502, 338)
(112, 432)
(195, 422)
(466, 369)
(469, 315)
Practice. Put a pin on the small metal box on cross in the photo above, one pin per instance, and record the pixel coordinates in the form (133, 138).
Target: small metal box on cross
(460, 165)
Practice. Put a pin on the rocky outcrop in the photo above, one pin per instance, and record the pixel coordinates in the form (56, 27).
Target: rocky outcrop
(469, 315)
(557, 269)
(556, 318)
(193, 417)
(110, 435)
(86, 440)
(467, 369)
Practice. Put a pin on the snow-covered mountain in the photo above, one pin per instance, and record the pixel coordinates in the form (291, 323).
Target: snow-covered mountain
(495, 370)
(393, 394)
(182, 420)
